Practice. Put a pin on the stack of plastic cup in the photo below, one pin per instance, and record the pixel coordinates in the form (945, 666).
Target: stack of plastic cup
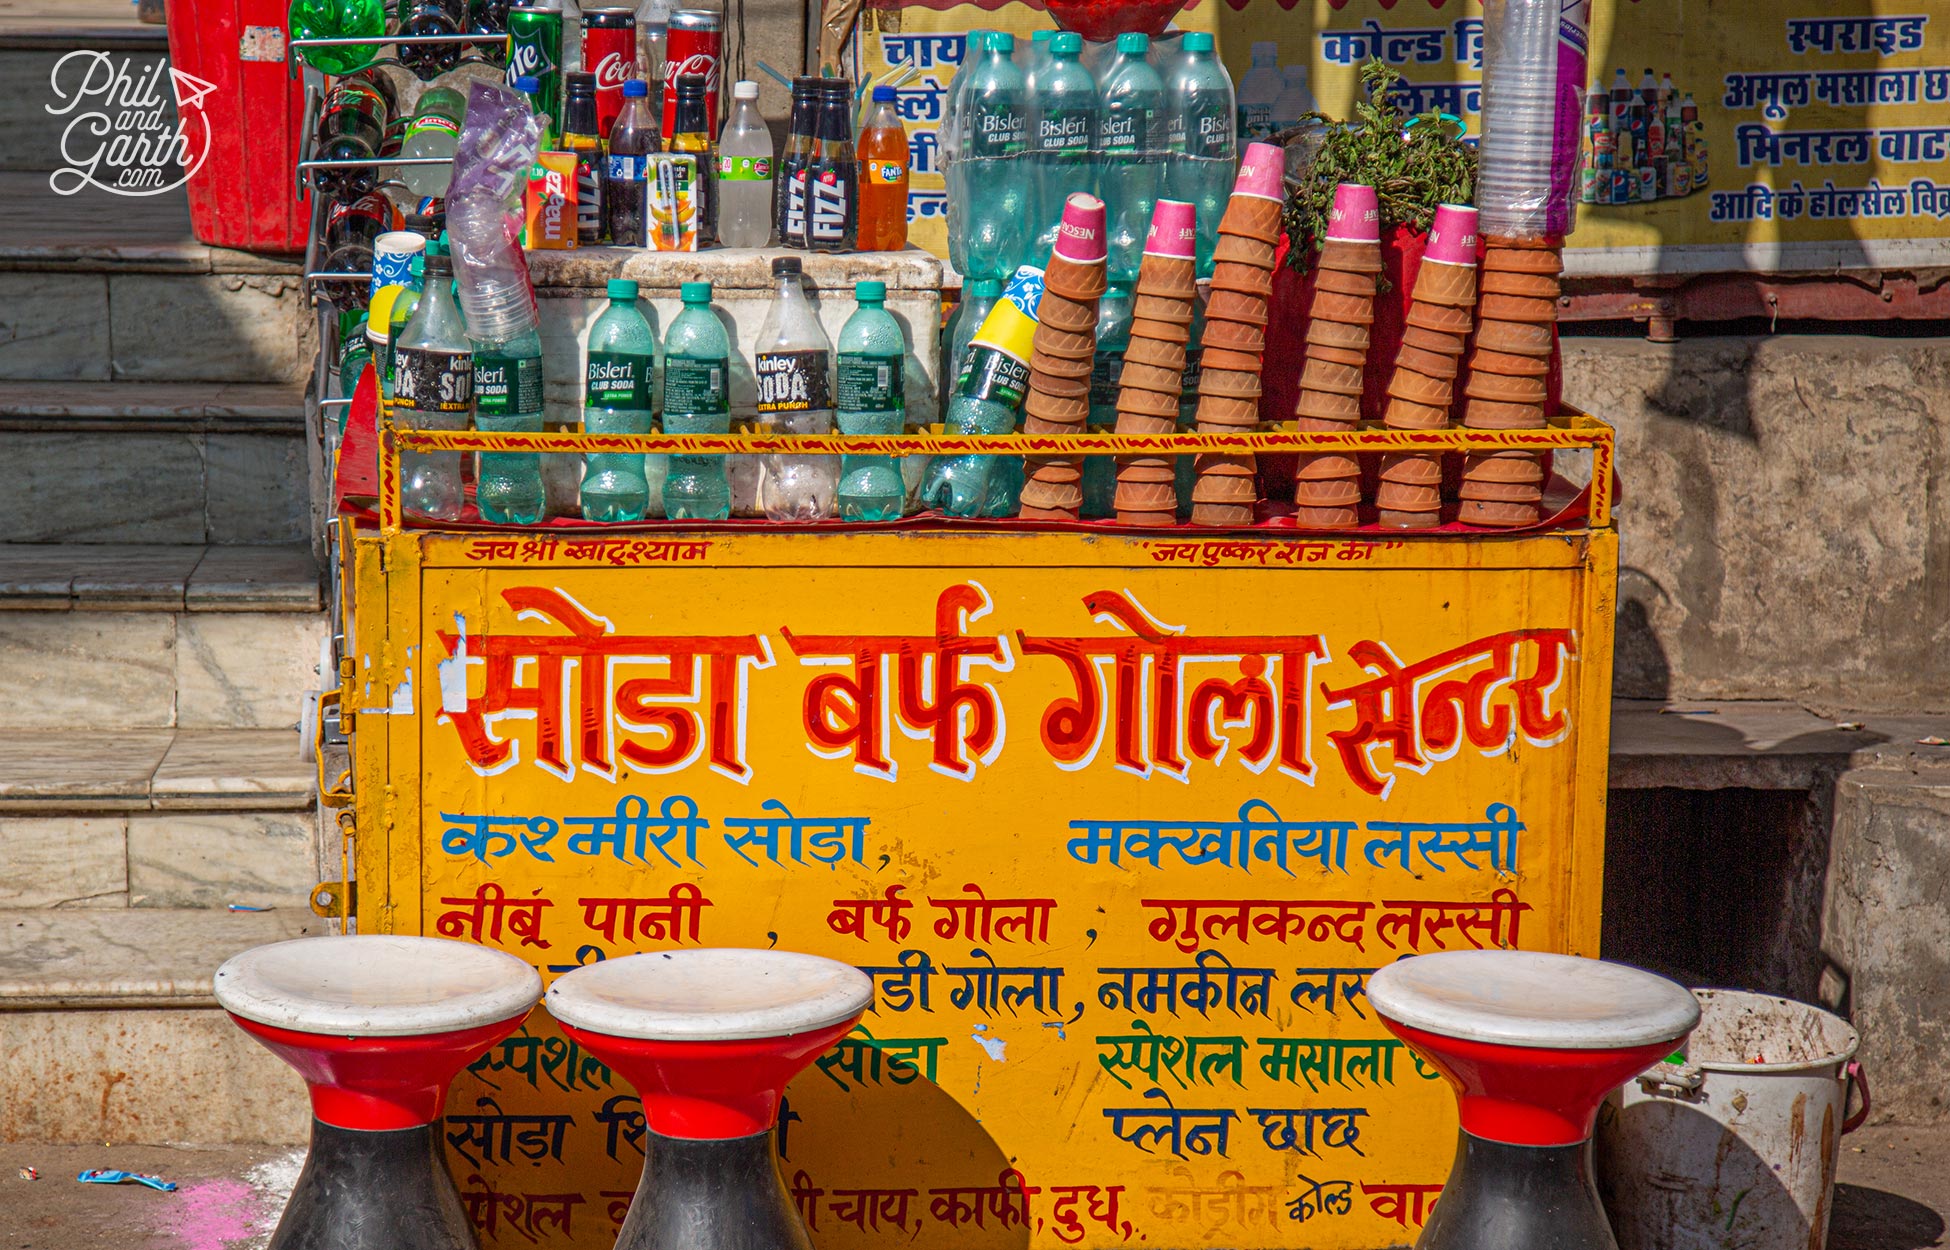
(1226, 487)
(1153, 379)
(1533, 91)
(1064, 354)
(1327, 489)
(1422, 387)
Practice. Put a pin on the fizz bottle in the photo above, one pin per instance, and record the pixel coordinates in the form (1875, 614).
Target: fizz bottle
(579, 135)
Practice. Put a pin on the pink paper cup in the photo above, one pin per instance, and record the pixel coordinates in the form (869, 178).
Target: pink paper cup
(1081, 236)
(1261, 172)
(1452, 239)
(1174, 230)
(1356, 215)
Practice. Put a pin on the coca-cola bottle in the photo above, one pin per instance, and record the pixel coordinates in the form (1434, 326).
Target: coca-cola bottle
(431, 17)
(489, 19)
(353, 128)
(349, 233)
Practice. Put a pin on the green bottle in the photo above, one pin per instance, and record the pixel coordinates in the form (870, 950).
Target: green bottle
(338, 19)
(697, 400)
(871, 400)
(619, 371)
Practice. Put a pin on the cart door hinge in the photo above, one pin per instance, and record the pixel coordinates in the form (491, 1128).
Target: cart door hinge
(333, 899)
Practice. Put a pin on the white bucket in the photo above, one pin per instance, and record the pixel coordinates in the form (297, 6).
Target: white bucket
(1736, 1148)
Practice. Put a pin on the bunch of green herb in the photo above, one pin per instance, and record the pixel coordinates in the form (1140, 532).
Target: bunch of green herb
(1413, 161)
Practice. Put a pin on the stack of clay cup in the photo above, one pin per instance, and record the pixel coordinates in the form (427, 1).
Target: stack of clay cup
(1422, 387)
(1507, 365)
(1150, 387)
(1062, 357)
(1226, 487)
(1327, 487)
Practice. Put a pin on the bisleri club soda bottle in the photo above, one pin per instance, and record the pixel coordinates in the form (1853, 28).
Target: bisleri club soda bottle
(989, 184)
(1064, 110)
(697, 400)
(433, 389)
(882, 154)
(619, 370)
(745, 173)
(1130, 140)
(508, 399)
(872, 399)
(1199, 131)
(1259, 91)
(794, 369)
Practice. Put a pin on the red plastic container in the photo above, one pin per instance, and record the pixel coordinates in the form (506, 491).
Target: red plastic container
(243, 194)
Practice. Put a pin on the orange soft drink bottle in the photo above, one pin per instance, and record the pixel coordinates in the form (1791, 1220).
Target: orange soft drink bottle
(882, 154)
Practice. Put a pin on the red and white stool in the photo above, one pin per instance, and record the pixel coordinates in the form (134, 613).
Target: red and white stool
(710, 1038)
(1532, 1044)
(378, 1026)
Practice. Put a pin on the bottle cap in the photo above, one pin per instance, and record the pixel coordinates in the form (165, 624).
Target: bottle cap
(633, 87)
(1042, 36)
(1452, 238)
(1260, 172)
(1134, 42)
(1356, 215)
(1001, 41)
(1197, 41)
(1174, 230)
(695, 292)
(1080, 237)
(744, 90)
(1066, 41)
(885, 95)
(978, 41)
(527, 85)
(786, 266)
(865, 292)
(622, 288)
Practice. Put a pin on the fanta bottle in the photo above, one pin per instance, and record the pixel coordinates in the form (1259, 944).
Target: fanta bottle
(882, 154)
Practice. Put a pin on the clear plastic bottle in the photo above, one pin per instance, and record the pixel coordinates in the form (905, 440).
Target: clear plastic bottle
(435, 132)
(794, 368)
(1131, 127)
(989, 388)
(508, 399)
(1296, 97)
(619, 374)
(652, 37)
(635, 134)
(697, 400)
(1063, 110)
(433, 387)
(977, 298)
(1113, 336)
(745, 173)
(871, 399)
(1199, 131)
(989, 186)
(1259, 91)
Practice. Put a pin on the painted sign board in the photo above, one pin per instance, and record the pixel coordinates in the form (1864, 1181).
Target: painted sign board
(1118, 825)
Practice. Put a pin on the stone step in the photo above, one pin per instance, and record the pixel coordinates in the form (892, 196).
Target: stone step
(96, 287)
(130, 637)
(156, 819)
(109, 1031)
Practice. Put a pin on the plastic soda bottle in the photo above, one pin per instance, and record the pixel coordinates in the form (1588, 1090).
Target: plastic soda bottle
(1296, 97)
(872, 399)
(989, 198)
(508, 399)
(436, 18)
(745, 173)
(832, 173)
(435, 132)
(636, 133)
(1199, 131)
(352, 127)
(882, 154)
(338, 19)
(994, 376)
(579, 135)
(697, 400)
(977, 298)
(1130, 140)
(1107, 366)
(433, 389)
(619, 368)
(1064, 109)
(1259, 91)
(794, 368)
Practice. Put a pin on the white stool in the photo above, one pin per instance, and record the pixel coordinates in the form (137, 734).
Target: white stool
(1532, 1043)
(710, 1038)
(378, 1026)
